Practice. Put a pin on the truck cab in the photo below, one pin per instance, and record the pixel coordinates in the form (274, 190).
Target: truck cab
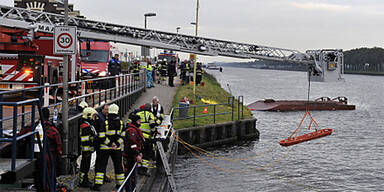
(95, 56)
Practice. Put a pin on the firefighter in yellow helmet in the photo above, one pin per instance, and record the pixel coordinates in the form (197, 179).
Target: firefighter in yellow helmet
(82, 105)
(147, 126)
(88, 137)
(111, 143)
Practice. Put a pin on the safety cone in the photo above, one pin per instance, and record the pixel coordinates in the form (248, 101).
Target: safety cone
(205, 110)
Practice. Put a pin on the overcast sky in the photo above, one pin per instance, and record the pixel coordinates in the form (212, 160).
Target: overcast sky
(293, 24)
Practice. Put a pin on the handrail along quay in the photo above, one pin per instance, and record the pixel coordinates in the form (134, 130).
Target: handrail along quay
(14, 116)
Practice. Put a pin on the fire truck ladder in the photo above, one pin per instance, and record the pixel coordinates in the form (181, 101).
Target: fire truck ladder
(88, 29)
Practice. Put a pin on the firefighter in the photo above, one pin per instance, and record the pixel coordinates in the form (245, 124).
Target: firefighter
(187, 72)
(148, 69)
(136, 70)
(171, 69)
(157, 110)
(111, 138)
(147, 126)
(88, 137)
(199, 73)
(134, 139)
(163, 69)
(82, 105)
(183, 72)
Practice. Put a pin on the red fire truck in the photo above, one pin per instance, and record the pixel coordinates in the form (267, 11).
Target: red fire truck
(95, 56)
(27, 60)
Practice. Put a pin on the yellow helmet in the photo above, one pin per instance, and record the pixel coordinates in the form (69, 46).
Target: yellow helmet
(83, 104)
(89, 112)
(113, 109)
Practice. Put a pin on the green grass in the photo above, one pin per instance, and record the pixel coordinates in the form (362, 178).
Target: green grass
(210, 91)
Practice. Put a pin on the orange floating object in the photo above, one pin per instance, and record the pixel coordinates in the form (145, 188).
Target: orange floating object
(306, 137)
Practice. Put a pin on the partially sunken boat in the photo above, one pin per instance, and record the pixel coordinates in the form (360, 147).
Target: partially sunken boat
(320, 104)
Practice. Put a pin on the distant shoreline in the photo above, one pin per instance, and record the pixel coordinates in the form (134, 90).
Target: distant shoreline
(239, 65)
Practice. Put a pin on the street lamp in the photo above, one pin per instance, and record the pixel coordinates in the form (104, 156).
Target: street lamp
(196, 23)
(144, 49)
(177, 30)
(145, 18)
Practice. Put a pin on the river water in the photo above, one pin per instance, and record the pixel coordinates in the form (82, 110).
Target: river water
(351, 159)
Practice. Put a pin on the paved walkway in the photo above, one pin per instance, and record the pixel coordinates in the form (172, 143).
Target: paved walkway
(164, 92)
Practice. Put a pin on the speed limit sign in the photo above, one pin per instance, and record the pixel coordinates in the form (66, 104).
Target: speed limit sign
(65, 40)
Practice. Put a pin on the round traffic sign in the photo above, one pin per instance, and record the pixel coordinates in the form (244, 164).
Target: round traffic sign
(65, 40)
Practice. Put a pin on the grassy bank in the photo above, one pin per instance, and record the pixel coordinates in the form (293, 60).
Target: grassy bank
(213, 92)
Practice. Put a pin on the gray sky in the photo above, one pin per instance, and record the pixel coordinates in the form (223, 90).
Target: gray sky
(293, 24)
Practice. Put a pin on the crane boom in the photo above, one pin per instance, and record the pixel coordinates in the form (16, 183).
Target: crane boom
(89, 29)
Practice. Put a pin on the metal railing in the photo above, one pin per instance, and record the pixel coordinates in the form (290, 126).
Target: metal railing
(122, 90)
(185, 113)
(94, 91)
(14, 136)
(128, 178)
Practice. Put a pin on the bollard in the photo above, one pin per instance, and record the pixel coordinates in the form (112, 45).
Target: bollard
(46, 94)
(83, 90)
(116, 84)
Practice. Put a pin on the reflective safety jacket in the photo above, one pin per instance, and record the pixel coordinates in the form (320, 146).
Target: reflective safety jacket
(199, 71)
(134, 140)
(88, 136)
(147, 123)
(113, 132)
(158, 112)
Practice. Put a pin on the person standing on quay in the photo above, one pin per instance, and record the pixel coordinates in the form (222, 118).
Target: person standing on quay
(134, 140)
(88, 137)
(111, 138)
(171, 73)
(157, 110)
(147, 126)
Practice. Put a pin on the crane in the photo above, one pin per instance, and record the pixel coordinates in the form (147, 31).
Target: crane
(323, 65)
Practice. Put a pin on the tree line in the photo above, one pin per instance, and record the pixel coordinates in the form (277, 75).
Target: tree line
(365, 58)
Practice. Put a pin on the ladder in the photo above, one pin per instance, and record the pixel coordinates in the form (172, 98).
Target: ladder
(97, 30)
(168, 172)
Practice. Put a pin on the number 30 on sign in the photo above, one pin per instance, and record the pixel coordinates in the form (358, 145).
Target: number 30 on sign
(65, 40)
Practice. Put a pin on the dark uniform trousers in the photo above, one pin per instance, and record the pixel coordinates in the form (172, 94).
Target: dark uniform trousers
(105, 152)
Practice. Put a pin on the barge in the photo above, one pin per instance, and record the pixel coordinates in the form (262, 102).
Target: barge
(320, 104)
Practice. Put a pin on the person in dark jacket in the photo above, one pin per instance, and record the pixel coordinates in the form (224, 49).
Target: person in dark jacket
(133, 150)
(114, 67)
(171, 68)
(199, 73)
(111, 138)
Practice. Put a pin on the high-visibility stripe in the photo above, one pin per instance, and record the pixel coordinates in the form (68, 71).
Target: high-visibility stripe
(147, 136)
(110, 132)
(133, 146)
(87, 148)
(104, 147)
(84, 138)
(101, 134)
(120, 179)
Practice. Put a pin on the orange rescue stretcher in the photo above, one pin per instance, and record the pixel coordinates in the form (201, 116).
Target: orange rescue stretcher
(291, 140)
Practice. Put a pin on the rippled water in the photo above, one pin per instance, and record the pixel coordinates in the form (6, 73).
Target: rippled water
(351, 159)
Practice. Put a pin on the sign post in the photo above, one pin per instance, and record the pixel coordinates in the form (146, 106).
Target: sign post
(65, 44)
